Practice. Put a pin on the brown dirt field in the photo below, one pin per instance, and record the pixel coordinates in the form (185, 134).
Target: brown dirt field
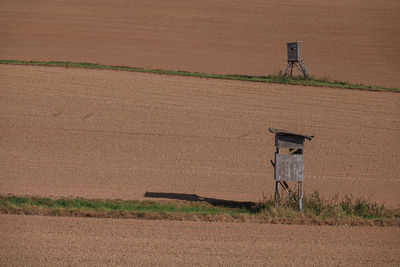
(109, 134)
(55, 241)
(354, 40)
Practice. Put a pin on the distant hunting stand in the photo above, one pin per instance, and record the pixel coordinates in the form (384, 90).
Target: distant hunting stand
(295, 60)
(289, 166)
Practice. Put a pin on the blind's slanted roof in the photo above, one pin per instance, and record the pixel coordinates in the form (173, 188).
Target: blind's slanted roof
(284, 132)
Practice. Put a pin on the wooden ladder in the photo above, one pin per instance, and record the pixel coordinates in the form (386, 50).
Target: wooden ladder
(305, 70)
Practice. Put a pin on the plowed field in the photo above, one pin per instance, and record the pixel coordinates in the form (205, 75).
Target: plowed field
(108, 134)
(355, 40)
(49, 241)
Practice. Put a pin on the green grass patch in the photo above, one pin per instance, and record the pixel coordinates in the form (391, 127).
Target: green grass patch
(279, 78)
(317, 210)
(347, 207)
(116, 205)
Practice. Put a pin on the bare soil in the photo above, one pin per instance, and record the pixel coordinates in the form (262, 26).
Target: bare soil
(104, 134)
(354, 40)
(109, 134)
(54, 241)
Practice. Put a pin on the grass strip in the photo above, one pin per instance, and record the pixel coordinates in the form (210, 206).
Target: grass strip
(280, 79)
(132, 206)
(317, 211)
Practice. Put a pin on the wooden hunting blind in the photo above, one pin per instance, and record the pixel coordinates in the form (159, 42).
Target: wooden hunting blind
(294, 59)
(294, 51)
(289, 166)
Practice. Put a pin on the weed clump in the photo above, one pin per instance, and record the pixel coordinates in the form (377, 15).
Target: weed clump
(331, 208)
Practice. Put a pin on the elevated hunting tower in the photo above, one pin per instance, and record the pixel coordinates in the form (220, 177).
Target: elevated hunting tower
(289, 166)
(294, 59)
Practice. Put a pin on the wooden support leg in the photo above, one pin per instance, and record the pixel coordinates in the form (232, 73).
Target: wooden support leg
(277, 197)
(301, 196)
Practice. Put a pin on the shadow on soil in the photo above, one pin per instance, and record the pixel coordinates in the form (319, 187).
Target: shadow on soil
(195, 198)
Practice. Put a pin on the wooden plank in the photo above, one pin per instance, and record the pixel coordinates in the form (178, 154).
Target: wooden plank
(289, 167)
